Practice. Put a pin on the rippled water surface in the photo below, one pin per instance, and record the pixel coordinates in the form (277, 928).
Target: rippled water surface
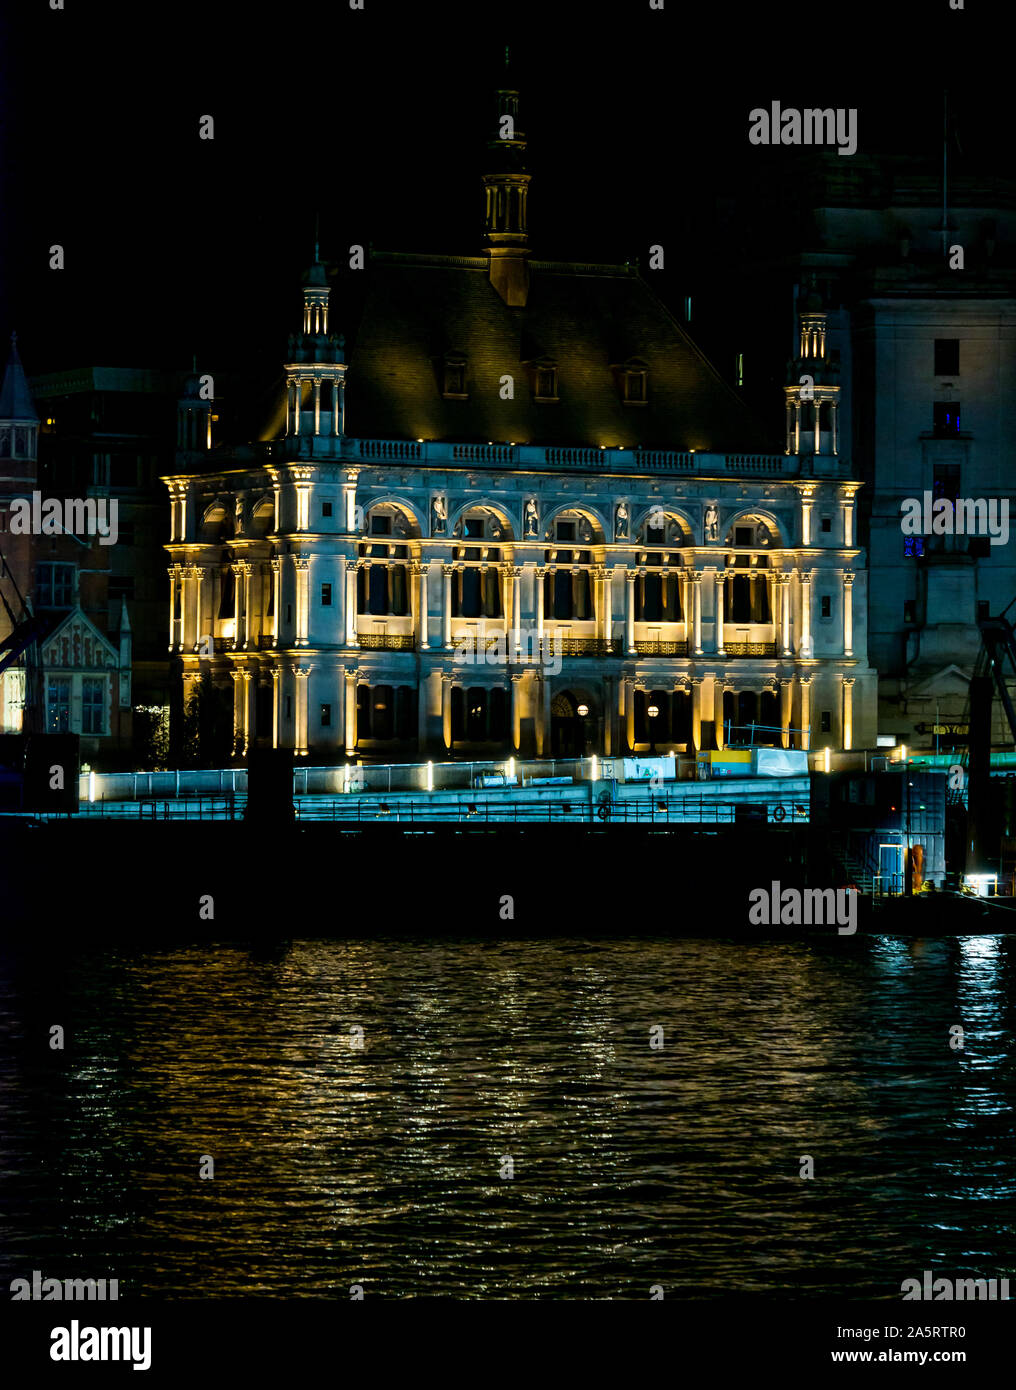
(633, 1166)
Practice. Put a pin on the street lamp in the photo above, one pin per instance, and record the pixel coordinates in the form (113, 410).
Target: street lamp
(654, 713)
(582, 711)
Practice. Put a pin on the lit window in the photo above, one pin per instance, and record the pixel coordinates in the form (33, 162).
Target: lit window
(58, 704)
(93, 712)
(326, 596)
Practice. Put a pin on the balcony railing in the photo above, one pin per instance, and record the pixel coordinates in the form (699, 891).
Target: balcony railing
(583, 646)
(223, 644)
(679, 648)
(266, 642)
(750, 648)
(386, 641)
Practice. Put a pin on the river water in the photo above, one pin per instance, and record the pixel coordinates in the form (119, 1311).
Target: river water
(387, 1165)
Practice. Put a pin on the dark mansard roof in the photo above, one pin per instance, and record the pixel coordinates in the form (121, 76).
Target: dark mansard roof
(588, 321)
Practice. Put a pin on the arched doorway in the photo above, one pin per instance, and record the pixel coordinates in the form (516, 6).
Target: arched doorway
(572, 724)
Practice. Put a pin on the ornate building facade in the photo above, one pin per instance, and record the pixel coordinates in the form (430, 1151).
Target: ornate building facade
(525, 517)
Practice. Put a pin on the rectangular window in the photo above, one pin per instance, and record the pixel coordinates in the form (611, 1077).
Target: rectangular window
(827, 524)
(827, 606)
(946, 481)
(326, 716)
(946, 418)
(983, 609)
(380, 526)
(909, 610)
(546, 383)
(58, 704)
(566, 530)
(947, 356)
(93, 705)
(326, 508)
(54, 586)
(326, 596)
(827, 721)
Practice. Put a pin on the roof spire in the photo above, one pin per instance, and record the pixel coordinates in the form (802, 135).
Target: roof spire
(15, 397)
(506, 187)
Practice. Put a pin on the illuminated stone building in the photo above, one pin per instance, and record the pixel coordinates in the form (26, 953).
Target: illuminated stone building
(519, 512)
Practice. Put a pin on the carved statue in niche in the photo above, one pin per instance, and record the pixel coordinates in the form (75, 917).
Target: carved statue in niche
(438, 516)
(621, 521)
(532, 525)
(712, 523)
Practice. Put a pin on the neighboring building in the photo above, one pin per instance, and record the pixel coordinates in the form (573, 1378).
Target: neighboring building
(109, 432)
(535, 458)
(76, 677)
(927, 358)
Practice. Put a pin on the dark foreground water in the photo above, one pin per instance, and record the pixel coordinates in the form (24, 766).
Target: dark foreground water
(632, 1166)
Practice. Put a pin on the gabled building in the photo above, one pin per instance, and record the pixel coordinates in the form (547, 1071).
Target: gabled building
(518, 511)
(73, 676)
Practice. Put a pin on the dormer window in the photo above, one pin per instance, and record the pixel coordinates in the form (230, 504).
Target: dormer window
(454, 378)
(544, 379)
(633, 379)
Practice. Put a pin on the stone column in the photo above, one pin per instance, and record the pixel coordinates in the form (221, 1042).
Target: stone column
(806, 519)
(516, 697)
(696, 580)
(277, 597)
(350, 679)
(317, 407)
(446, 707)
(848, 613)
(786, 707)
(301, 564)
(351, 637)
(630, 577)
(249, 692)
(541, 693)
(239, 710)
(721, 579)
(806, 649)
(237, 570)
(785, 614)
(516, 610)
(718, 688)
(302, 677)
(447, 571)
(629, 714)
(276, 705)
(696, 712)
(836, 428)
(608, 716)
(246, 603)
(424, 628)
(185, 574)
(199, 577)
(608, 604)
(174, 576)
(848, 522)
(848, 713)
(805, 734)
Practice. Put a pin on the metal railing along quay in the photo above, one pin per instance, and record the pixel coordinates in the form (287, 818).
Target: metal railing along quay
(367, 810)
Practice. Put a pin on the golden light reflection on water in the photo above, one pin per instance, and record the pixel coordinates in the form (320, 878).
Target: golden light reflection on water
(383, 1165)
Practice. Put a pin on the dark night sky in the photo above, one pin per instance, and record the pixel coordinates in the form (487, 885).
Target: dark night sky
(637, 121)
